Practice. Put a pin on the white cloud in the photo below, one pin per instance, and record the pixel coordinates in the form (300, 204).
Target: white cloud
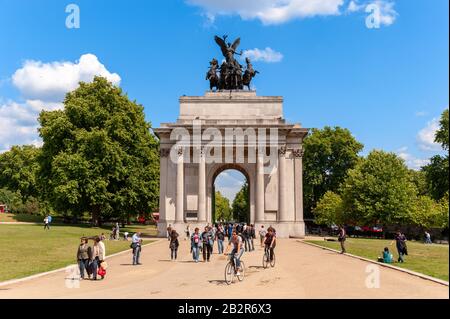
(18, 125)
(270, 11)
(43, 86)
(411, 161)
(425, 137)
(51, 81)
(353, 6)
(266, 55)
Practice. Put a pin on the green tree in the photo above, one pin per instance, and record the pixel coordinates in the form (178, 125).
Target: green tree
(442, 133)
(419, 180)
(378, 190)
(426, 213)
(18, 168)
(436, 175)
(241, 205)
(437, 172)
(329, 154)
(98, 154)
(223, 210)
(329, 210)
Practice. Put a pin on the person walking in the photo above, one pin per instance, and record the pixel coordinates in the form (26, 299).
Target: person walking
(428, 238)
(136, 243)
(173, 244)
(188, 232)
(169, 230)
(195, 245)
(252, 237)
(246, 236)
(400, 240)
(207, 243)
(220, 236)
(262, 235)
(229, 231)
(82, 257)
(95, 258)
(341, 238)
(102, 253)
(46, 223)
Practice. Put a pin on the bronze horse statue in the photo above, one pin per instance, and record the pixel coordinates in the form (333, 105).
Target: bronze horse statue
(249, 74)
(212, 76)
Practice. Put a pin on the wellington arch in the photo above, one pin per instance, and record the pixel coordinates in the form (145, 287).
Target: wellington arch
(263, 147)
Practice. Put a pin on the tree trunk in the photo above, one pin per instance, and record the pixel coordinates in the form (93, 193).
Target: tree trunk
(96, 221)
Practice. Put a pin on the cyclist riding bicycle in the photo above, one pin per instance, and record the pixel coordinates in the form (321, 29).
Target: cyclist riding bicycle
(270, 241)
(237, 251)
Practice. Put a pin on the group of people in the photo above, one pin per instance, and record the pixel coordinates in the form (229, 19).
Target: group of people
(91, 258)
(240, 237)
(387, 257)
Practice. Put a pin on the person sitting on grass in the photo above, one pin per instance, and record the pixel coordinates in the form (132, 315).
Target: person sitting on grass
(387, 256)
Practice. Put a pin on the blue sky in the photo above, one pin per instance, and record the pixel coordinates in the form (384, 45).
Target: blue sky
(388, 85)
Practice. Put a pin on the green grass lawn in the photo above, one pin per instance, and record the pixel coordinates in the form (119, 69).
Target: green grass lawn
(29, 249)
(431, 260)
(8, 217)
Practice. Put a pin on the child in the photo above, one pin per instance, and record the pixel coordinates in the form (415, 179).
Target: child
(387, 256)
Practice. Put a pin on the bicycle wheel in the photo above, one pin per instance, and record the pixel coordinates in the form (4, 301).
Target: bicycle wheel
(265, 260)
(272, 262)
(229, 273)
(241, 272)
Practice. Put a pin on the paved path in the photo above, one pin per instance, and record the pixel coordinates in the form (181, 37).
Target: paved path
(302, 271)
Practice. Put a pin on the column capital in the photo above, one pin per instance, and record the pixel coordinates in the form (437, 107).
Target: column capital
(282, 150)
(180, 151)
(299, 152)
(164, 152)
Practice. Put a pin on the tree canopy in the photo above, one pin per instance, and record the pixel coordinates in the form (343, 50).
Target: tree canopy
(241, 205)
(98, 154)
(223, 209)
(329, 154)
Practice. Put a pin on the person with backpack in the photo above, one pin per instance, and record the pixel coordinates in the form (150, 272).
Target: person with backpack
(46, 223)
(195, 245)
(220, 236)
(207, 243)
(173, 244)
(229, 231)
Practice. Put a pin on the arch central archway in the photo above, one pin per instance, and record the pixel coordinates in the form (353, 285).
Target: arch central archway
(228, 183)
(248, 170)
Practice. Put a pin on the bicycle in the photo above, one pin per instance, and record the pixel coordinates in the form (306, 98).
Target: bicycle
(231, 271)
(266, 258)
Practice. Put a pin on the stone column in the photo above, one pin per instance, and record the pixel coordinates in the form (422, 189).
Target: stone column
(282, 212)
(298, 169)
(259, 188)
(164, 153)
(201, 204)
(179, 214)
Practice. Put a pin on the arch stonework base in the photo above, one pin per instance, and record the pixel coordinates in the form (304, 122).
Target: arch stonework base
(274, 177)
